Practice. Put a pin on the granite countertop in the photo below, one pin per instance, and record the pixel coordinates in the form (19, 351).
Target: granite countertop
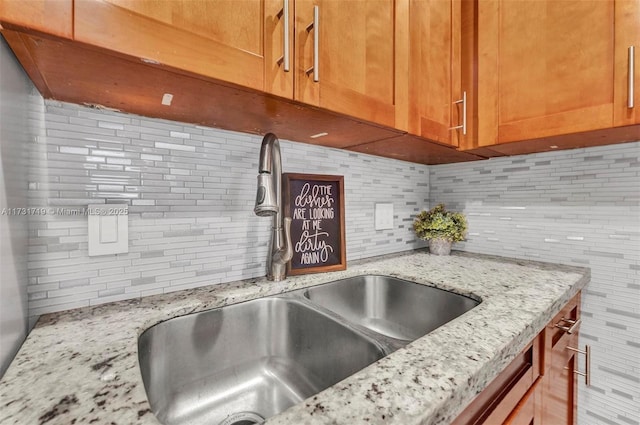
(81, 366)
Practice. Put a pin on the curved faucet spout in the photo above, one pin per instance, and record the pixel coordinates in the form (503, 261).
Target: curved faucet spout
(269, 203)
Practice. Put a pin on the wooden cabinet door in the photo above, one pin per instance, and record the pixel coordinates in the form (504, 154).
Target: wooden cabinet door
(431, 80)
(627, 34)
(236, 41)
(560, 384)
(48, 16)
(545, 68)
(561, 387)
(355, 66)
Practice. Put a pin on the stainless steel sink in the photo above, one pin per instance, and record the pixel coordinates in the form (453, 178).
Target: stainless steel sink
(393, 307)
(242, 363)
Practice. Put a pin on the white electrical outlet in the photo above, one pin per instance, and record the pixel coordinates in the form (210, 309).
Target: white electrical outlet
(384, 216)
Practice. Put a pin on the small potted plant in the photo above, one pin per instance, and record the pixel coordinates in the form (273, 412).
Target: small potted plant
(441, 228)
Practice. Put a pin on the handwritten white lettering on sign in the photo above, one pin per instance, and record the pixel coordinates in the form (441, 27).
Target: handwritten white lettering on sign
(314, 204)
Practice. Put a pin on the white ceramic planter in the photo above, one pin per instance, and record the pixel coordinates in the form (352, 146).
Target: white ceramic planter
(439, 246)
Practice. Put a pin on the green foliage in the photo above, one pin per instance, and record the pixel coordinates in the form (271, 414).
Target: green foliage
(438, 223)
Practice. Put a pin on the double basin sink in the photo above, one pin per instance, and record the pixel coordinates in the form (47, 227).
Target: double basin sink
(240, 364)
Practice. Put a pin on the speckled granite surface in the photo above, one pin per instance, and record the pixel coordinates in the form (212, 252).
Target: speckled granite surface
(81, 367)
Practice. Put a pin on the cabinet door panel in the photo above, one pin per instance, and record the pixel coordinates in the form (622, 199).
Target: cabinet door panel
(356, 57)
(49, 16)
(561, 391)
(545, 68)
(223, 39)
(627, 34)
(560, 383)
(431, 69)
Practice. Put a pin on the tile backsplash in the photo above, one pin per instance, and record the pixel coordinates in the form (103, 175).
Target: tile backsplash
(191, 192)
(579, 207)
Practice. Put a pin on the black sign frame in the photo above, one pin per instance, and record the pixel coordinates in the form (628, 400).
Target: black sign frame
(333, 245)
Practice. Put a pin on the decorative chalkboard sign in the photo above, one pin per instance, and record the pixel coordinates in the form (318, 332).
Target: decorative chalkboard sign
(315, 204)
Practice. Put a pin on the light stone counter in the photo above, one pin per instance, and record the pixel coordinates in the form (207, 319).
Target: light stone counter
(81, 366)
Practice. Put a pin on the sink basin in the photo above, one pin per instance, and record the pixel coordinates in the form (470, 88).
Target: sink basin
(392, 307)
(245, 362)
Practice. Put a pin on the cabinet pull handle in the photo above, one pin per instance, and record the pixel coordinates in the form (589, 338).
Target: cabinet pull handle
(463, 126)
(315, 26)
(284, 14)
(630, 83)
(573, 324)
(587, 370)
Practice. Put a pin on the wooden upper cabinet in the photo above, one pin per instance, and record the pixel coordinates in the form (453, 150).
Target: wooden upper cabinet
(47, 16)
(355, 57)
(431, 31)
(545, 68)
(627, 34)
(240, 42)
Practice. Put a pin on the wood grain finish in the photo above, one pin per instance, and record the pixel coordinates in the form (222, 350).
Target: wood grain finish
(415, 149)
(47, 16)
(356, 58)
(627, 33)
(222, 39)
(560, 383)
(529, 409)
(469, 71)
(545, 68)
(433, 70)
(496, 404)
(373, 55)
(586, 139)
(72, 73)
(276, 80)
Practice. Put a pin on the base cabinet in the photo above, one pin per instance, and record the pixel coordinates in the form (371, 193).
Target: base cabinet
(528, 410)
(561, 368)
(540, 385)
(561, 390)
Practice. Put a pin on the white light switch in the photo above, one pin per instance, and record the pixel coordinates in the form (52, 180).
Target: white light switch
(108, 229)
(384, 216)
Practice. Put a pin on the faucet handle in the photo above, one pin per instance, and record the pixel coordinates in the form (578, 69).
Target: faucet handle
(287, 252)
(280, 257)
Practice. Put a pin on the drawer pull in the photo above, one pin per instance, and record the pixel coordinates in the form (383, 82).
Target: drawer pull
(587, 370)
(573, 324)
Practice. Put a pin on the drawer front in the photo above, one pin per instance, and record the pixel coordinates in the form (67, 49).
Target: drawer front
(495, 404)
(560, 332)
(527, 412)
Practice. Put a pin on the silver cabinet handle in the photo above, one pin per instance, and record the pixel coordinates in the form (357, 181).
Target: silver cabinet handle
(463, 126)
(284, 14)
(630, 88)
(286, 35)
(315, 26)
(573, 324)
(587, 370)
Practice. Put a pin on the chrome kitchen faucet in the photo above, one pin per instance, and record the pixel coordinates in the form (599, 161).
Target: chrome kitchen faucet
(269, 203)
